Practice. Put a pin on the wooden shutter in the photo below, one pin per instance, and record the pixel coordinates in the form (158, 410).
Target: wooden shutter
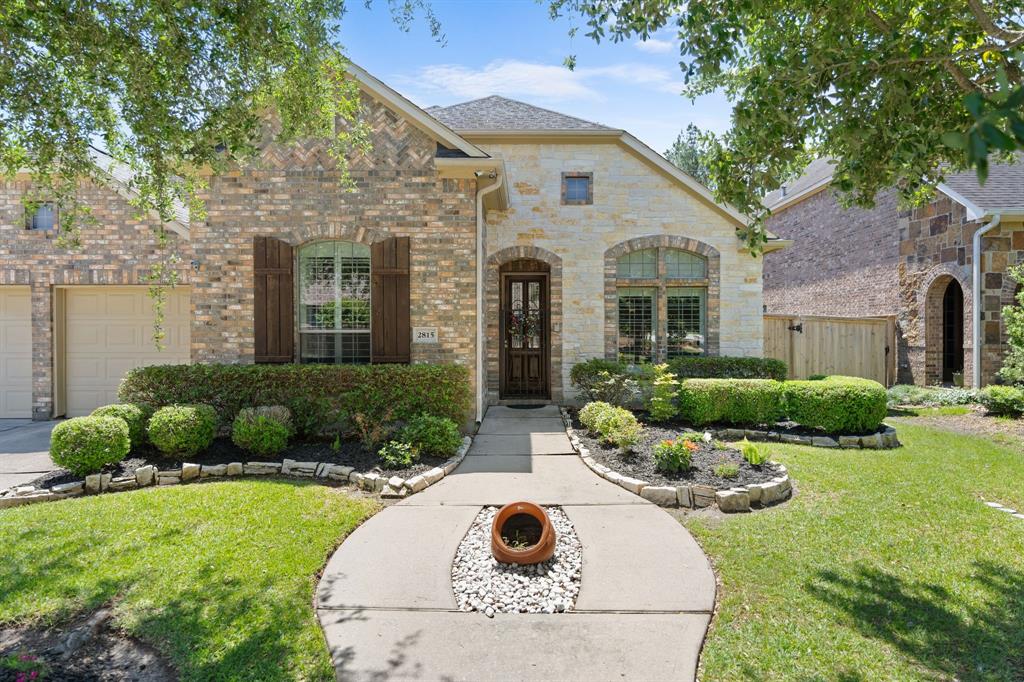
(390, 329)
(274, 315)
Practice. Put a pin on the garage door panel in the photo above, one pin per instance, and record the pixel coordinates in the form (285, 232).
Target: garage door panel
(15, 352)
(110, 332)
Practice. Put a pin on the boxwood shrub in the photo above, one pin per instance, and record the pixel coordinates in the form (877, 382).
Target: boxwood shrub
(135, 416)
(262, 430)
(747, 402)
(430, 435)
(84, 445)
(725, 367)
(836, 404)
(1003, 401)
(182, 430)
(406, 390)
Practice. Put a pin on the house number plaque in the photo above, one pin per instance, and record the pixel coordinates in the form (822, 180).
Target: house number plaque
(424, 334)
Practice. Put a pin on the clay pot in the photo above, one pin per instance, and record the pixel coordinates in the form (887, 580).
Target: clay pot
(526, 520)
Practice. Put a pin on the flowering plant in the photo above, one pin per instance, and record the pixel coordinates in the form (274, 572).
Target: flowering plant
(26, 667)
(674, 456)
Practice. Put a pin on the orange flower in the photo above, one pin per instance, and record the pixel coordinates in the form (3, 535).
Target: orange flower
(668, 443)
(690, 445)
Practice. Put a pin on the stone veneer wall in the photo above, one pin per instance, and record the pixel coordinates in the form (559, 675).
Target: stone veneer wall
(891, 261)
(294, 193)
(120, 248)
(631, 200)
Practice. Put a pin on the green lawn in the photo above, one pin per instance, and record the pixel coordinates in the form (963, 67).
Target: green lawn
(219, 577)
(885, 566)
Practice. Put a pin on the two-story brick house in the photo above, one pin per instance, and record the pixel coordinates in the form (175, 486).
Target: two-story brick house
(915, 264)
(504, 237)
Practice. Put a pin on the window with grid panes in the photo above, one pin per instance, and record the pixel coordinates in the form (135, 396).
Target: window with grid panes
(662, 304)
(334, 303)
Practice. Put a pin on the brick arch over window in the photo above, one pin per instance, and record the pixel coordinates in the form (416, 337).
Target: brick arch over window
(930, 295)
(339, 231)
(492, 296)
(665, 241)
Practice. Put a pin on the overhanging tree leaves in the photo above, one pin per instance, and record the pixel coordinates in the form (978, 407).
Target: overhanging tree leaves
(688, 153)
(895, 90)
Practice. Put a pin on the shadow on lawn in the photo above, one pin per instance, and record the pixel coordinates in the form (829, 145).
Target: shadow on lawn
(920, 620)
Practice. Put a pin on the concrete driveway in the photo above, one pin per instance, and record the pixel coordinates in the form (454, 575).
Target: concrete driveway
(24, 451)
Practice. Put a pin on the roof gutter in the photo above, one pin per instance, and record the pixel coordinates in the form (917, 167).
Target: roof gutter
(499, 180)
(976, 299)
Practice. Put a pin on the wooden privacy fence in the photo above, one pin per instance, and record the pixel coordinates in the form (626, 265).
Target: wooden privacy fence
(851, 346)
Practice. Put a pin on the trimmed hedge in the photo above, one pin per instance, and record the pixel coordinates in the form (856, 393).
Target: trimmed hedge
(836, 404)
(262, 430)
(182, 430)
(84, 445)
(748, 402)
(135, 416)
(725, 367)
(405, 390)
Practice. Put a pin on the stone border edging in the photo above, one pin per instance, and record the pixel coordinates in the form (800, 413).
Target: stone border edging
(697, 496)
(394, 487)
(880, 440)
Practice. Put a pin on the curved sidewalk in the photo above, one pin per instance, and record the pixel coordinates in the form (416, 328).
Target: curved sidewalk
(387, 607)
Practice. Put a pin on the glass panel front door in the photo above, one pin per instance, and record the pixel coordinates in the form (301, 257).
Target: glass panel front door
(524, 319)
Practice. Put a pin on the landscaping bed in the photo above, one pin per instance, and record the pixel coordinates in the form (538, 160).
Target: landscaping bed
(638, 461)
(222, 451)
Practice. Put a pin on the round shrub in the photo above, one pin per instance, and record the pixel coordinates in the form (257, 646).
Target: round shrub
(438, 436)
(182, 430)
(1004, 401)
(591, 414)
(135, 416)
(84, 445)
(836, 404)
(397, 455)
(746, 402)
(262, 430)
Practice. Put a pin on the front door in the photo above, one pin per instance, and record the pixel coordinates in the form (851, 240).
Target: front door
(524, 334)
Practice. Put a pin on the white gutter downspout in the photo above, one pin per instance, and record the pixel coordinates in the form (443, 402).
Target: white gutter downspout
(976, 301)
(481, 193)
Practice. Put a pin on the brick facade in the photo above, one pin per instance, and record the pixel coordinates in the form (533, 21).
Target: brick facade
(892, 261)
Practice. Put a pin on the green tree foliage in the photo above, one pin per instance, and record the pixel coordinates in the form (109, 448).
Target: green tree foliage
(1012, 371)
(688, 153)
(896, 90)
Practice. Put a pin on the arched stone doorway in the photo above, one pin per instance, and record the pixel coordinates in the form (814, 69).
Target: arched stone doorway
(952, 331)
(947, 330)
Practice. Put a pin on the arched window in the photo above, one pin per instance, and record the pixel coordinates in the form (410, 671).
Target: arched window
(662, 304)
(334, 302)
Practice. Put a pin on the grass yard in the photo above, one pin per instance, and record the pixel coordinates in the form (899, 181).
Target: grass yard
(218, 577)
(885, 566)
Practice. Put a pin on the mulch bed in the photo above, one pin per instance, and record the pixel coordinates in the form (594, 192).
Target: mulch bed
(222, 451)
(639, 462)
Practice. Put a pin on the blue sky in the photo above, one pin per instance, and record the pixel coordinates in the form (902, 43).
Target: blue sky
(512, 48)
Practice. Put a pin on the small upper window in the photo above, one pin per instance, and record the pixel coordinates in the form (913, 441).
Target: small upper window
(577, 188)
(43, 218)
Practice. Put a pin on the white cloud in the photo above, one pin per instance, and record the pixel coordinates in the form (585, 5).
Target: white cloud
(655, 46)
(516, 78)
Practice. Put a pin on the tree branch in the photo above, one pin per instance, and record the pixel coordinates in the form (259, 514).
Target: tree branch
(965, 83)
(989, 25)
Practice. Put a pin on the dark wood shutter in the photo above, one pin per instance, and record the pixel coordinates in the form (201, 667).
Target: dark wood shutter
(274, 315)
(390, 332)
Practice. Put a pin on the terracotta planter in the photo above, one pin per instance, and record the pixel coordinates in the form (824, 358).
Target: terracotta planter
(526, 520)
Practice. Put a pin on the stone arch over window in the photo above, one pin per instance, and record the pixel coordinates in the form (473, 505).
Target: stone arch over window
(492, 302)
(683, 266)
(340, 231)
(932, 296)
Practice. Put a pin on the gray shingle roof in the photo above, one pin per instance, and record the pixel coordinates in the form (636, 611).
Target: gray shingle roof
(501, 113)
(1003, 190)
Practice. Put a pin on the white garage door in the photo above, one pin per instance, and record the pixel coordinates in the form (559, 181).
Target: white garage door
(15, 352)
(109, 330)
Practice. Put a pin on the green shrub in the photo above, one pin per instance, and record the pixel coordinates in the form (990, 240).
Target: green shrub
(747, 402)
(663, 404)
(406, 390)
(135, 416)
(84, 445)
(754, 454)
(312, 415)
(619, 427)
(837, 404)
(437, 436)
(182, 430)
(930, 396)
(591, 414)
(725, 367)
(1005, 401)
(397, 455)
(674, 456)
(608, 381)
(262, 430)
(727, 470)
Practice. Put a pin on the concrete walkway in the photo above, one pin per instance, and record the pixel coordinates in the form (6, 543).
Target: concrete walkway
(24, 451)
(387, 607)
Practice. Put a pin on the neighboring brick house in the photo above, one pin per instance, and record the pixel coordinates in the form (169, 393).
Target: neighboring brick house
(589, 245)
(914, 264)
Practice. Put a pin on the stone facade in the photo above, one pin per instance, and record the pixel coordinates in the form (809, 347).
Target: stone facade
(630, 201)
(892, 261)
(119, 247)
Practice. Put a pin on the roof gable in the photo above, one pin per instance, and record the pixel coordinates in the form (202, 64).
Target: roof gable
(501, 113)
